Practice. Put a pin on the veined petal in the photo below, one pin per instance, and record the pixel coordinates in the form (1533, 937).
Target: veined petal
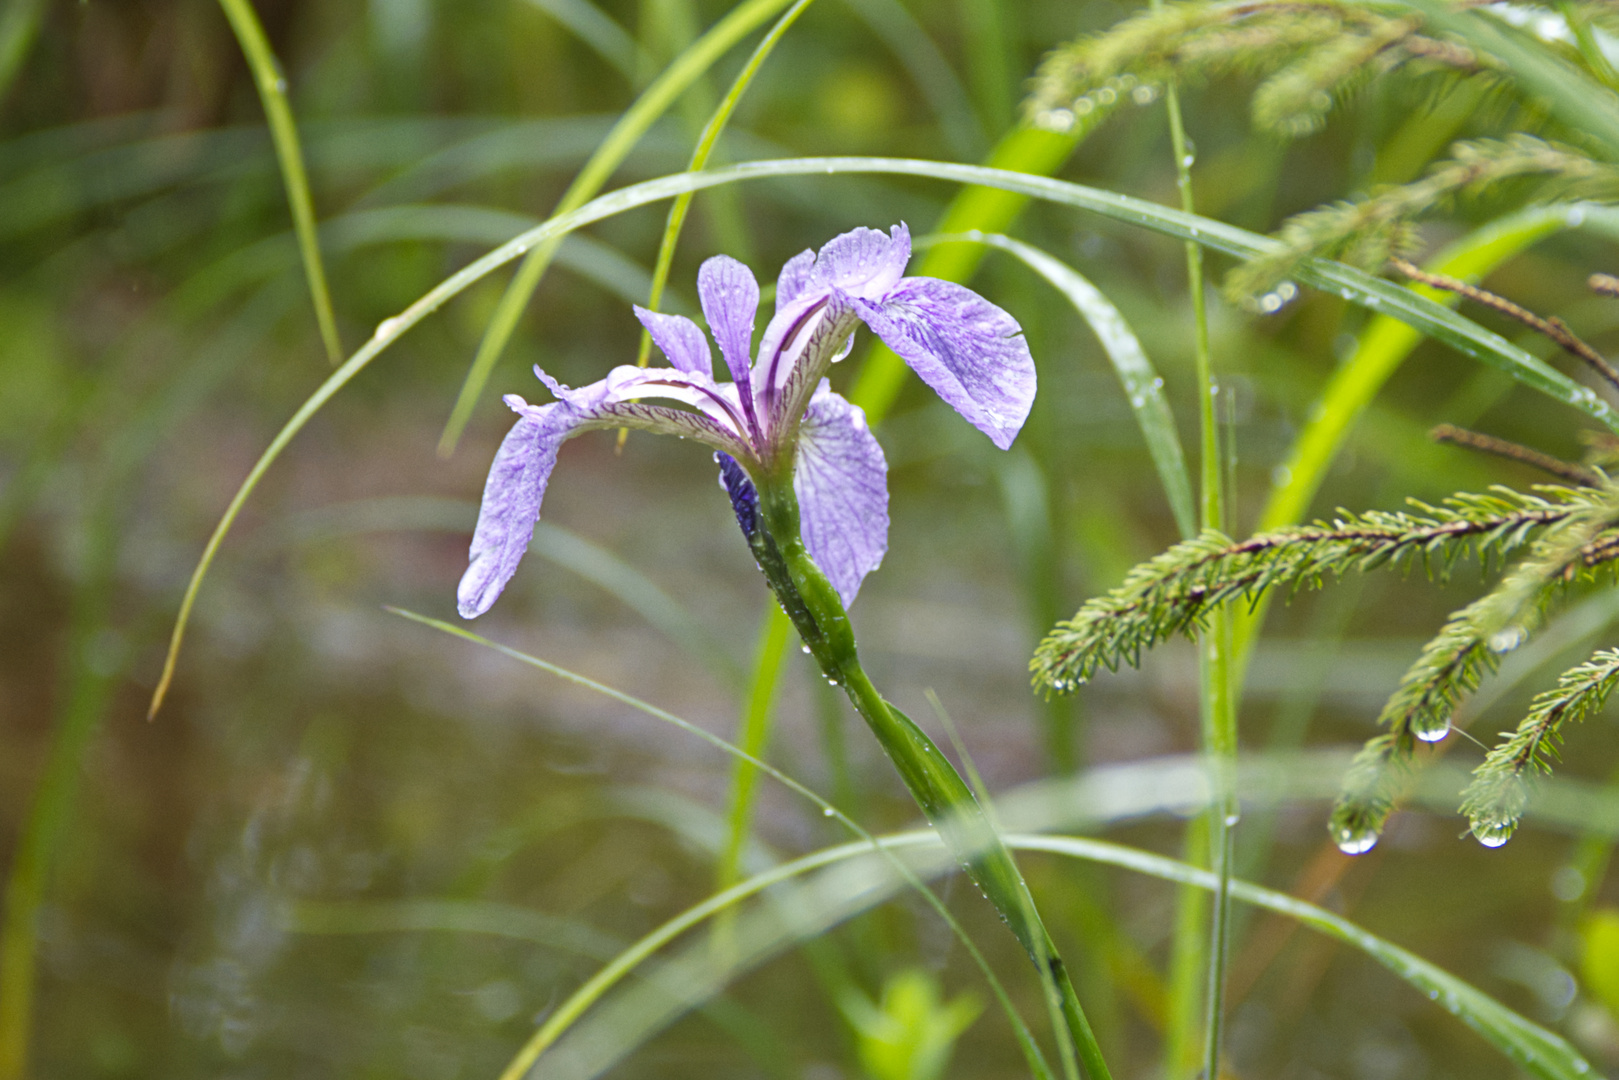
(968, 350)
(511, 500)
(841, 480)
(794, 276)
(730, 298)
(717, 401)
(862, 262)
(680, 339)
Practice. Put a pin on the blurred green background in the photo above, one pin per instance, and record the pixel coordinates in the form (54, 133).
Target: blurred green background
(349, 846)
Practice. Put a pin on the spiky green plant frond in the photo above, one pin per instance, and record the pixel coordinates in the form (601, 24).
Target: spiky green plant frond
(1366, 232)
(1470, 645)
(1174, 592)
(1496, 798)
(1310, 52)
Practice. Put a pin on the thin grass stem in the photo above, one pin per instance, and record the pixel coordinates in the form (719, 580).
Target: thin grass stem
(272, 88)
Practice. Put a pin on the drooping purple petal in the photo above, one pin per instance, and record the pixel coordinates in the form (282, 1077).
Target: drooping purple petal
(730, 298)
(511, 501)
(680, 339)
(794, 276)
(968, 350)
(841, 481)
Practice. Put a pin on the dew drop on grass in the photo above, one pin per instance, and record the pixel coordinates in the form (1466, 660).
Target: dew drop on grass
(828, 812)
(1430, 728)
(1504, 641)
(804, 649)
(1492, 834)
(386, 327)
(1354, 841)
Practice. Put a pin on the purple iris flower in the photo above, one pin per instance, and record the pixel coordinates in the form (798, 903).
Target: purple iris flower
(779, 412)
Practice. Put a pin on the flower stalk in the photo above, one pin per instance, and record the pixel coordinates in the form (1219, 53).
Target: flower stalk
(818, 614)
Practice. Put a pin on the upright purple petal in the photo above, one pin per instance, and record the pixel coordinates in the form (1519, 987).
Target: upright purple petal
(862, 262)
(968, 350)
(841, 480)
(794, 276)
(681, 340)
(730, 298)
(511, 501)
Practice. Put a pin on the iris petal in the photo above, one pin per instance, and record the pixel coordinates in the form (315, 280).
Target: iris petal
(680, 339)
(730, 298)
(841, 480)
(968, 350)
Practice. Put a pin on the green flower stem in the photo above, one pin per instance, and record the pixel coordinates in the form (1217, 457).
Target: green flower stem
(818, 614)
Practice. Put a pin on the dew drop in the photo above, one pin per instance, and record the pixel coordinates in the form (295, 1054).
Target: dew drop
(828, 812)
(1576, 217)
(1107, 95)
(1354, 841)
(1059, 120)
(1158, 383)
(1270, 303)
(1144, 94)
(831, 682)
(1084, 105)
(1430, 728)
(1504, 641)
(1287, 291)
(386, 327)
(1492, 834)
(804, 649)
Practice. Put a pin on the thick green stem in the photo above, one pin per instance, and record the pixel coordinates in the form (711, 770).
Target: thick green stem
(818, 614)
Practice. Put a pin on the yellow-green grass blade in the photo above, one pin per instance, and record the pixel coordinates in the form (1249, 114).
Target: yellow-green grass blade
(19, 26)
(1462, 334)
(593, 26)
(272, 88)
(686, 69)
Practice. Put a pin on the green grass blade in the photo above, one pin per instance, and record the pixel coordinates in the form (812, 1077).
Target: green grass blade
(1143, 389)
(582, 999)
(699, 160)
(1462, 334)
(593, 26)
(1537, 1051)
(453, 917)
(272, 88)
(686, 69)
(19, 26)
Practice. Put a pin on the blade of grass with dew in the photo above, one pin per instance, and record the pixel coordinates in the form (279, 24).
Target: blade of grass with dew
(1440, 323)
(1528, 1045)
(272, 88)
(19, 26)
(1538, 1051)
(593, 26)
(686, 69)
(564, 1016)
(1143, 389)
(1380, 349)
(699, 159)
